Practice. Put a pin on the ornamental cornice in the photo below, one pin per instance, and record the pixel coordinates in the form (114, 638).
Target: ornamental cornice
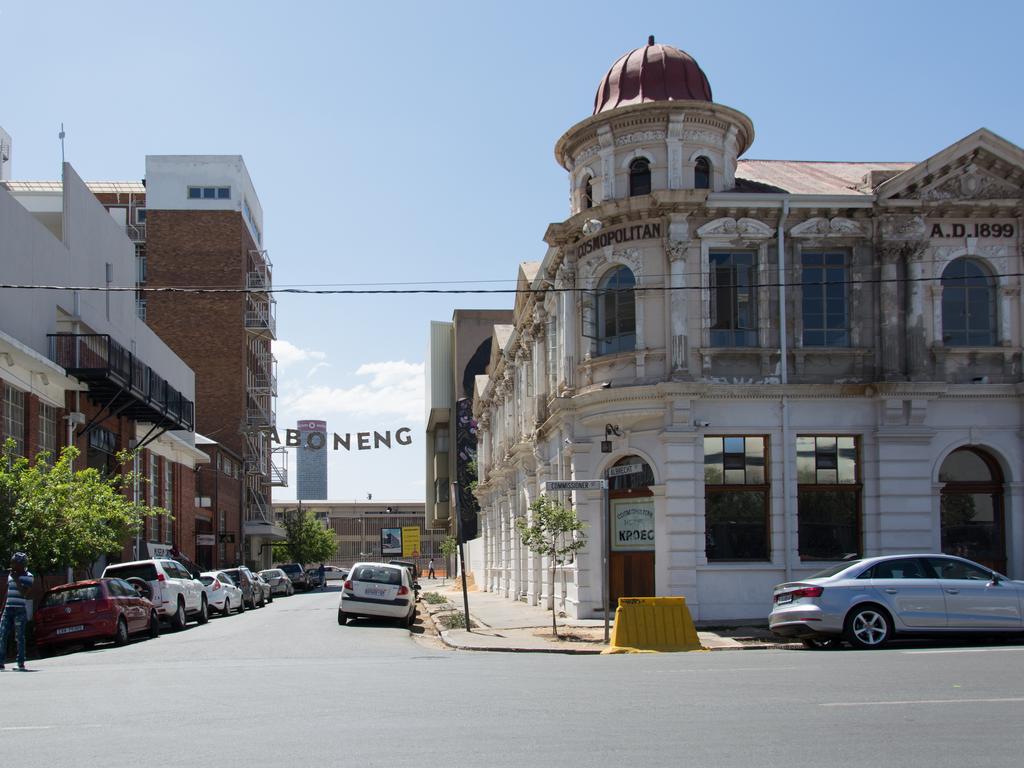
(730, 227)
(837, 226)
(639, 137)
(903, 227)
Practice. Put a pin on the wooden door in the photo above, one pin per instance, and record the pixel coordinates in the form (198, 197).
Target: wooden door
(632, 575)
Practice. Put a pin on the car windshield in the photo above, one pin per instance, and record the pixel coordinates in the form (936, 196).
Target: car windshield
(207, 580)
(378, 575)
(833, 570)
(232, 574)
(291, 568)
(144, 571)
(72, 595)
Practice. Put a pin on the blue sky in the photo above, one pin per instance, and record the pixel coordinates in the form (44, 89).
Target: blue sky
(410, 142)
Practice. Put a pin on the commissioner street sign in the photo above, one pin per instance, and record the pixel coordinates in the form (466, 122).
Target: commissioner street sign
(575, 485)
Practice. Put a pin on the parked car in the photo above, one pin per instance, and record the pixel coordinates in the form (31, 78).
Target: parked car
(175, 594)
(414, 573)
(252, 595)
(297, 574)
(313, 576)
(87, 611)
(261, 584)
(334, 573)
(222, 593)
(278, 580)
(867, 602)
(378, 589)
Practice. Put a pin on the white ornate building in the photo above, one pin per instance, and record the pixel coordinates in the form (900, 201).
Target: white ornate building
(885, 417)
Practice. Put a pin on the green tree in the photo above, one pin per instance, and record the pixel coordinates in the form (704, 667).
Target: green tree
(308, 541)
(555, 532)
(449, 546)
(61, 517)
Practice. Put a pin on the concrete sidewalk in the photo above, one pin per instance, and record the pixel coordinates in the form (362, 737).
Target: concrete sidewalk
(512, 626)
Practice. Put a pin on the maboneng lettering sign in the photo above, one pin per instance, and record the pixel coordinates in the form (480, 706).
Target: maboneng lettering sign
(632, 525)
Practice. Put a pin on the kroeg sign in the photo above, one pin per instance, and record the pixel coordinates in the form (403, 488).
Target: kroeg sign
(364, 441)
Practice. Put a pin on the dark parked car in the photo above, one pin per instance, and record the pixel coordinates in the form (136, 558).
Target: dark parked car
(245, 580)
(297, 574)
(87, 611)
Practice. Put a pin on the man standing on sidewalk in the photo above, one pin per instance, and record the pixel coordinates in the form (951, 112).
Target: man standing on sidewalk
(430, 569)
(14, 605)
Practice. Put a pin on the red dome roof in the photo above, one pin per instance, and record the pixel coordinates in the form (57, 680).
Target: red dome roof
(654, 72)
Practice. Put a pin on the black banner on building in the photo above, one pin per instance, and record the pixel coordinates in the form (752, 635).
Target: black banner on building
(465, 469)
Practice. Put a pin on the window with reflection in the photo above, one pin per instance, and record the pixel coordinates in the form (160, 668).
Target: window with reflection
(733, 299)
(735, 498)
(828, 497)
(640, 177)
(968, 305)
(972, 519)
(702, 173)
(824, 299)
(616, 312)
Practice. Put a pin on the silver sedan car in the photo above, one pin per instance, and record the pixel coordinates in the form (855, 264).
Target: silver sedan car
(866, 602)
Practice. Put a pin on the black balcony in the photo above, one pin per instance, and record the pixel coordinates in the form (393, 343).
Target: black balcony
(120, 381)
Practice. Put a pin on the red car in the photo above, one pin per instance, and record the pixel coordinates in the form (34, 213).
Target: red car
(88, 611)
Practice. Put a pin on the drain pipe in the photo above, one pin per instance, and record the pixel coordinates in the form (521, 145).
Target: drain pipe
(787, 496)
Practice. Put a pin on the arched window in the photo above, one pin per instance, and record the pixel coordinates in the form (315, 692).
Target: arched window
(702, 173)
(968, 305)
(640, 177)
(616, 312)
(972, 507)
(588, 192)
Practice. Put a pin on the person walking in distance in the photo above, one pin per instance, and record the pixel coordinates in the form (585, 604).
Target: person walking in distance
(323, 576)
(430, 569)
(14, 597)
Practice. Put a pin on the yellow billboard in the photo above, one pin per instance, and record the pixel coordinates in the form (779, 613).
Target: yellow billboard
(411, 541)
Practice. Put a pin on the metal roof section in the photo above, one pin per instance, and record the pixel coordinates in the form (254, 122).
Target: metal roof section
(810, 177)
(96, 187)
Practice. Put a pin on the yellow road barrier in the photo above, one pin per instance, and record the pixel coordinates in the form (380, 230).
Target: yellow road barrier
(653, 624)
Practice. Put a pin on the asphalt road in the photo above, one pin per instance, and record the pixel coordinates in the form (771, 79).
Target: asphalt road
(286, 687)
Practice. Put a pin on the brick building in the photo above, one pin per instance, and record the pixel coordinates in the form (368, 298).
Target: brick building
(79, 366)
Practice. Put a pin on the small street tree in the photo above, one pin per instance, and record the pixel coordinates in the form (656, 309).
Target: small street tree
(308, 540)
(449, 546)
(61, 517)
(553, 531)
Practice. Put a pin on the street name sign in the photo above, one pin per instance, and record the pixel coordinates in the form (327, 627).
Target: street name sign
(625, 469)
(575, 485)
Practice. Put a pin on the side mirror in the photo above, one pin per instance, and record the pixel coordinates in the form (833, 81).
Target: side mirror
(996, 578)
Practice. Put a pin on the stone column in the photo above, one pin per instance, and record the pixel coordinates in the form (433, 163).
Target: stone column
(679, 533)
(567, 280)
(679, 241)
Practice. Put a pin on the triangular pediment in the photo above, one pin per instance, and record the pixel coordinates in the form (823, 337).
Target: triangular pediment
(527, 274)
(982, 166)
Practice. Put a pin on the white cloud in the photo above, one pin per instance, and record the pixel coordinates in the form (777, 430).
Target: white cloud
(395, 390)
(289, 354)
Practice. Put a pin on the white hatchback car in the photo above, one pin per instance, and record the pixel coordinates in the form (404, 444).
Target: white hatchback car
(378, 590)
(222, 593)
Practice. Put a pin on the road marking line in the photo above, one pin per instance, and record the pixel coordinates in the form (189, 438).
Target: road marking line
(26, 727)
(969, 650)
(919, 701)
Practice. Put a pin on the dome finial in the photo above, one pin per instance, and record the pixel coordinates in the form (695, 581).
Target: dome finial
(650, 39)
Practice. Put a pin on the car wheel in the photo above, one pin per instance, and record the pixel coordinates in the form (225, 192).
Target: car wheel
(821, 643)
(342, 618)
(45, 651)
(154, 625)
(204, 612)
(411, 619)
(226, 611)
(178, 619)
(121, 633)
(867, 627)
(241, 605)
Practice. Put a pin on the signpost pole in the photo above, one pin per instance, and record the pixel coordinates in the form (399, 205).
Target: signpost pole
(462, 554)
(606, 540)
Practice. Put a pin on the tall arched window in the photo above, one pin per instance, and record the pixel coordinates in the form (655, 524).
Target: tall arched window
(639, 177)
(588, 192)
(616, 312)
(972, 507)
(968, 305)
(702, 173)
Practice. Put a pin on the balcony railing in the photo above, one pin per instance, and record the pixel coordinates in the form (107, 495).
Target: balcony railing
(136, 232)
(279, 466)
(121, 380)
(260, 317)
